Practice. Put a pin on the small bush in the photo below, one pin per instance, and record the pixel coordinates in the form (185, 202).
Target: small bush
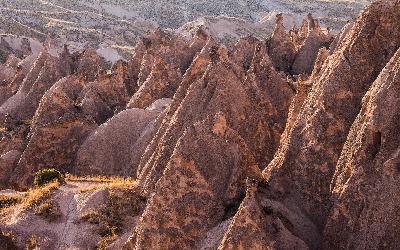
(45, 176)
(92, 217)
(32, 243)
(49, 210)
(7, 241)
(8, 201)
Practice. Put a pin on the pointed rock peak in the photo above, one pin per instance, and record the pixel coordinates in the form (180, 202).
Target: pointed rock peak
(199, 39)
(279, 31)
(311, 22)
(246, 44)
(201, 33)
(243, 51)
(261, 59)
(299, 35)
(279, 22)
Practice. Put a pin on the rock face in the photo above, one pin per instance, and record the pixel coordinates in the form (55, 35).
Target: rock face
(282, 49)
(8, 161)
(111, 148)
(46, 70)
(207, 158)
(311, 38)
(6, 49)
(286, 143)
(296, 189)
(296, 52)
(163, 58)
(365, 188)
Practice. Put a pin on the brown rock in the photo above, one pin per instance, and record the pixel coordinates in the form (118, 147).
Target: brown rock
(365, 186)
(300, 174)
(89, 64)
(110, 149)
(58, 129)
(257, 225)
(8, 162)
(44, 73)
(308, 51)
(197, 188)
(162, 82)
(218, 171)
(281, 49)
(110, 87)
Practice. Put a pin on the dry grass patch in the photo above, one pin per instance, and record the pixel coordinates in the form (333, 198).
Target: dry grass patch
(37, 199)
(123, 201)
(36, 196)
(7, 201)
(111, 182)
(98, 178)
(49, 210)
(40, 201)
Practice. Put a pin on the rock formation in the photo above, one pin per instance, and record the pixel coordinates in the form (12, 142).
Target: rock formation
(290, 142)
(297, 181)
(365, 188)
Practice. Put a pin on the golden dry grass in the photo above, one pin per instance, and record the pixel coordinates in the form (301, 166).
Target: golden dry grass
(33, 197)
(9, 201)
(111, 182)
(123, 199)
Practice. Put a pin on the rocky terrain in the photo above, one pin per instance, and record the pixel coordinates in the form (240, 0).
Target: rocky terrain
(113, 26)
(281, 141)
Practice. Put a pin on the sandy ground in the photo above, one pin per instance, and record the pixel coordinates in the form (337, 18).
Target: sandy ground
(68, 232)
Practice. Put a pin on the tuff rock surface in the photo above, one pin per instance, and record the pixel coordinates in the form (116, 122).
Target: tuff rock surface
(285, 143)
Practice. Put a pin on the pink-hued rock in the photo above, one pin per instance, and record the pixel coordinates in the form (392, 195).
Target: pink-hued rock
(365, 189)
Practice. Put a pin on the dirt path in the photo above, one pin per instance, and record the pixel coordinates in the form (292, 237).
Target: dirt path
(68, 231)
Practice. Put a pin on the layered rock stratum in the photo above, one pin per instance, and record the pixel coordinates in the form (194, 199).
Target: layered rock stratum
(290, 141)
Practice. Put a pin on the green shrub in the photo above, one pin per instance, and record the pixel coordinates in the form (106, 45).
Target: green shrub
(44, 176)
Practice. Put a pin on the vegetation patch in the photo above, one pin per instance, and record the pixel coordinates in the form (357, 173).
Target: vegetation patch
(32, 243)
(91, 216)
(123, 201)
(33, 199)
(45, 176)
(7, 201)
(110, 182)
(49, 210)
(98, 178)
(7, 241)
(36, 196)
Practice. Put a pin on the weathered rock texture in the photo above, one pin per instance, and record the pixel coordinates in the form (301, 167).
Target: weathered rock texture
(213, 141)
(365, 188)
(111, 148)
(297, 182)
(285, 143)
